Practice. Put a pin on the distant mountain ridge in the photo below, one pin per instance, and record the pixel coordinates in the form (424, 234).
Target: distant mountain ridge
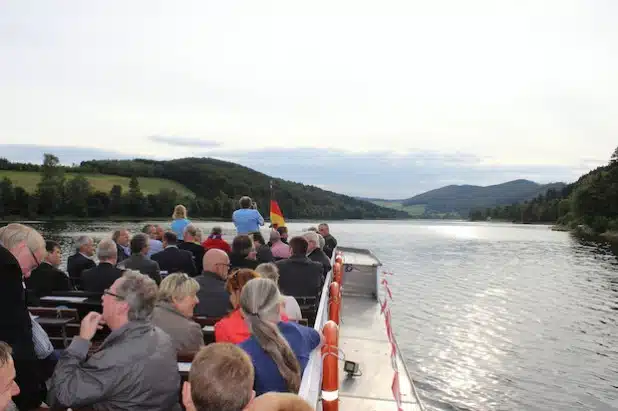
(460, 199)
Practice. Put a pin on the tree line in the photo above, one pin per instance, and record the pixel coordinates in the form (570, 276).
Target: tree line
(217, 184)
(591, 201)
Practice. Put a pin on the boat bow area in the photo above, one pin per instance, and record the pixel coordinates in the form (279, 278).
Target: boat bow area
(363, 339)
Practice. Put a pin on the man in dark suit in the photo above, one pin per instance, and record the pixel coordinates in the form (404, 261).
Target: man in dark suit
(214, 298)
(47, 278)
(121, 238)
(298, 275)
(101, 277)
(172, 259)
(315, 253)
(81, 260)
(139, 260)
(189, 244)
(330, 241)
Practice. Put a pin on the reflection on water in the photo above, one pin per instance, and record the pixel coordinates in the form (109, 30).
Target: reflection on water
(496, 316)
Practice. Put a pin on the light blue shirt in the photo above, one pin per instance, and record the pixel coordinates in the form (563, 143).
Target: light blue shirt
(178, 226)
(154, 247)
(247, 220)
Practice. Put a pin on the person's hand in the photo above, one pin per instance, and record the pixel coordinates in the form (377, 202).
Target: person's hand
(90, 324)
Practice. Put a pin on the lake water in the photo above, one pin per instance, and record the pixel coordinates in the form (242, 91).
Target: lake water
(489, 316)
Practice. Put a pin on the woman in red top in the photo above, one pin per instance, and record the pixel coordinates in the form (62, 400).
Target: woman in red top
(215, 240)
(233, 328)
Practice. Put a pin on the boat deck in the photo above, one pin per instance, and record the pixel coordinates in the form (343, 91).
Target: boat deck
(363, 339)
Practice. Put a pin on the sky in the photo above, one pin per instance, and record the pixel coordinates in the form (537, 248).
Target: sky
(369, 98)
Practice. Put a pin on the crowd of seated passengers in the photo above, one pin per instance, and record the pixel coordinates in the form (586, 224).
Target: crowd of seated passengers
(289, 336)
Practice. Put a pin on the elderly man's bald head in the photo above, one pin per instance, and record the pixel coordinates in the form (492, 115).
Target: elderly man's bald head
(216, 261)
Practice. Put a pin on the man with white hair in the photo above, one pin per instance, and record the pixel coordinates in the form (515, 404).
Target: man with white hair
(278, 248)
(7, 378)
(82, 259)
(191, 244)
(330, 241)
(101, 277)
(21, 250)
(315, 253)
(135, 367)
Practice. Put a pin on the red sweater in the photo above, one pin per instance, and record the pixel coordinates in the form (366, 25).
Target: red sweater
(219, 243)
(234, 329)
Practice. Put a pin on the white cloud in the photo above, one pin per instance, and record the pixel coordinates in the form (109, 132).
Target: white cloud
(515, 82)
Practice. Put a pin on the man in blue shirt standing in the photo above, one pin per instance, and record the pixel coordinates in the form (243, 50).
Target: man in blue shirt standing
(247, 219)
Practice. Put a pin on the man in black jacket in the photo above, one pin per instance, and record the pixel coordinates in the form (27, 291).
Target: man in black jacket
(21, 250)
(189, 244)
(139, 260)
(330, 241)
(172, 259)
(121, 238)
(101, 277)
(81, 260)
(298, 275)
(315, 253)
(214, 298)
(47, 278)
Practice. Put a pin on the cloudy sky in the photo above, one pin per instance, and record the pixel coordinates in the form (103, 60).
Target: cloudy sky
(374, 98)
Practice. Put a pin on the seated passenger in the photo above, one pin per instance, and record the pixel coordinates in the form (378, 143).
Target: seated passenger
(247, 219)
(279, 350)
(154, 245)
(233, 328)
(283, 233)
(180, 220)
(243, 253)
(279, 249)
(330, 241)
(214, 300)
(175, 302)
(101, 277)
(135, 367)
(279, 401)
(315, 253)
(215, 240)
(139, 260)
(81, 260)
(21, 250)
(298, 275)
(122, 238)
(221, 379)
(290, 305)
(47, 278)
(192, 245)
(262, 250)
(174, 260)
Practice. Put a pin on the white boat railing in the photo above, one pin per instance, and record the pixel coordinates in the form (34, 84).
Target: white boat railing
(311, 384)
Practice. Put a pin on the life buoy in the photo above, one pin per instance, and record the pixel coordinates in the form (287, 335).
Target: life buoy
(337, 272)
(330, 367)
(334, 302)
(339, 257)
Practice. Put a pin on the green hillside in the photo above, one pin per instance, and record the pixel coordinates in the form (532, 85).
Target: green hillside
(463, 198)
(209, 188)
(100, 182)
(416, 210)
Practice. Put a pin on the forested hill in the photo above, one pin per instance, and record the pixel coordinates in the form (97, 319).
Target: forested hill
(463, 198)
(216, 185)
(591, 201)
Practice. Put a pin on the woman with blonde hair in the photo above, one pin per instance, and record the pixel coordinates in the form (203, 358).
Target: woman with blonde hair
(279, 350)
(289, 304)
(180, 220)
(176, 300)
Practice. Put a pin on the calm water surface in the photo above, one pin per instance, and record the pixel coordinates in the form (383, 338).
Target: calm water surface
(489, 316)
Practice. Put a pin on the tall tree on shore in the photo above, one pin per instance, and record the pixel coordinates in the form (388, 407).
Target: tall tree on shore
(77, 192)
(50, 189)
(614, 158)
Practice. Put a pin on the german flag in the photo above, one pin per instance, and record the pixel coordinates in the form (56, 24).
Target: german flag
(276, 216)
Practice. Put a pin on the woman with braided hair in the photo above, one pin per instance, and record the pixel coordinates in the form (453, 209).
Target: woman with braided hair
(279, 350)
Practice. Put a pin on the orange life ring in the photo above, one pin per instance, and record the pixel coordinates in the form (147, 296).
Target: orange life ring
(334, 302)
(330, 367)
(337, 272)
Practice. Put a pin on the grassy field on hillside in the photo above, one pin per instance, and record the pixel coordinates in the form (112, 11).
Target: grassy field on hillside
(101, 182)
(414, 210)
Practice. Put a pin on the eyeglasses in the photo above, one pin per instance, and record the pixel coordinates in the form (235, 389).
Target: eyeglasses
(36, 260)
(108, 292)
